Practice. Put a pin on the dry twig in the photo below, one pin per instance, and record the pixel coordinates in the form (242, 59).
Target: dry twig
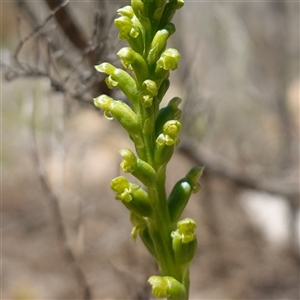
(53, 201)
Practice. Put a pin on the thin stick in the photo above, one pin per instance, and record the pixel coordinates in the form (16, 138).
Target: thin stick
(53, 201)
(38, 28)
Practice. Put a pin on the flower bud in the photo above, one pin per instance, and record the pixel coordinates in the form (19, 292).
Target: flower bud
(193, 176)
(159, 42)
(134, 62)
(132, 195)
(186, 228)
(121, 186)
(162, 154)
(170, 112)
(120, 78)
(139, 9)
(167, 287)
(120, 111)
(149, 91)
(184, 242)
(130, 30)
(169, 59)
(170, 131)
(181, 192)
(139, 168)
(159, 9)
(128, 164)
(179, 198)
(166, 142)
(170, 10)
(126, 28)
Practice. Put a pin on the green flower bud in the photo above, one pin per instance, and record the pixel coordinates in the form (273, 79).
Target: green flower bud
(167, 287)
(169, 59)
(170, 131)
(193, 176)
(149, 91)
(128, 164)
(139, 168)
(179, 198)
(186, 228)
(159, 42)
(122, 187)
(134, 62)
(170, 112)
(120, 111)
(162, 154)
(184, 244)
(120, 78)
(166, 142)
(130, 30)
(159, 9)
(140, 11)
(181, 192)
(132, 195)
(140, 203)
(169, 11)
(126, 28)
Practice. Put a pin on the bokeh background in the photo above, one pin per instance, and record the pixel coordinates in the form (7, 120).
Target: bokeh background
(63, 234)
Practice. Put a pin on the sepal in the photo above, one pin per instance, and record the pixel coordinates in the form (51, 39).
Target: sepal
(167, 287)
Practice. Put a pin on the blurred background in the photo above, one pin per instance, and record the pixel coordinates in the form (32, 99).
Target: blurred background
(63, 234)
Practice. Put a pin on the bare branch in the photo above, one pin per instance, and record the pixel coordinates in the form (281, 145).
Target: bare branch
(38, 28)
(54, 201)
(71, 29)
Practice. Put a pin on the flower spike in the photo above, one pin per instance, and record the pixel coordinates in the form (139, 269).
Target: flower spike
(146, 26)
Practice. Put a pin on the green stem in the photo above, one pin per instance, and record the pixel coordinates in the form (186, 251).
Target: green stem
(160, 231)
